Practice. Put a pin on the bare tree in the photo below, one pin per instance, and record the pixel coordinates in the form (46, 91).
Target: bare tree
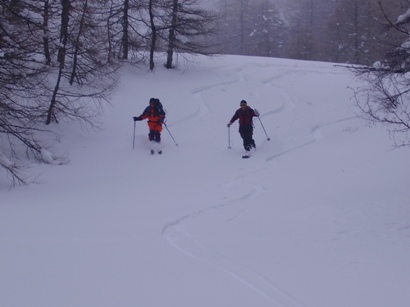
(85, 73)
(190, 28)
(65, 13)
(47, 74)
(385, 99)
(23, 78)
(46, 14)
(119, 28)
(172, 34)
(153, 28)
(125, 35)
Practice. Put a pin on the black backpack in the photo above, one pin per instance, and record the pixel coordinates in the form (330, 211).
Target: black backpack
(159, 106)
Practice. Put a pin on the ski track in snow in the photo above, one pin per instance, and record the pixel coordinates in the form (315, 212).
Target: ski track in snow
(177, 236)
(317, 135)
(203, 108)
(175, 232)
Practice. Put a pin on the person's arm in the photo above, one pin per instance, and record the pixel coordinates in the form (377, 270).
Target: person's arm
(234, 118)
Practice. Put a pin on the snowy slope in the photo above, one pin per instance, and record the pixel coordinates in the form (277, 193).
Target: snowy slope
(319, 216)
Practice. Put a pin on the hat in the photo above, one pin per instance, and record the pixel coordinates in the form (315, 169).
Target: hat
(243, 102)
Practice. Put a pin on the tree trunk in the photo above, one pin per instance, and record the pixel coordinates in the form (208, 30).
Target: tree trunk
(153, 36)
(64, 31)
(45, 33)
(242, 28)
(77, 44)
(61, 55)
(125, 47)
(50, 113)
(171, 36)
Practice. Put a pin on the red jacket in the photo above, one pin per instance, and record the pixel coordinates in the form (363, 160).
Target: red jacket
(244, 116)
(154, 114)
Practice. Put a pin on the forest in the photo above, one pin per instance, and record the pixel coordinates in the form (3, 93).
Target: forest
(341, 31)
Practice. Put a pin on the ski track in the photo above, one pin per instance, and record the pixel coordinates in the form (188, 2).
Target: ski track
(317, 135)
(175, 232)
(203, 108)
(176, 235)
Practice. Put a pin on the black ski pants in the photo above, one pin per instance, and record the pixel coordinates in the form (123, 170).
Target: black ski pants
(246, 132)
(155, 136)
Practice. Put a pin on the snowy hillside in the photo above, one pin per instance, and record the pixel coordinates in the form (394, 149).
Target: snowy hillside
(319, 216)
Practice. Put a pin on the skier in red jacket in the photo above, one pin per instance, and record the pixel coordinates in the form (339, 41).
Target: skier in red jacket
(155, 115)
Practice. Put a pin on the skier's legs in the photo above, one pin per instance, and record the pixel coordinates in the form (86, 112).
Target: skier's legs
(154, 131)
(151, 135)
(246, 133)
(157, 136)
(247, 143)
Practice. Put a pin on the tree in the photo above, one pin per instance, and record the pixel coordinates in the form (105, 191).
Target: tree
(307, 21)
(355, 32)
(125, 26)
(23, 78)
(54, 63)
(385, 99)
(189, 29)
(85, 73)
(269, 34)
(153, 28)
(46, 14)
(172, 34)
(235, 26)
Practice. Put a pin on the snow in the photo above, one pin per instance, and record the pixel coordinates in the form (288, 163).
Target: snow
(319, 216)
(377, 65)
(403, 17)
(48, 157)
(406, 44)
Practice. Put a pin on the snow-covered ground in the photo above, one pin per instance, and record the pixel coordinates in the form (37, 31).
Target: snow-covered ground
(319, 216)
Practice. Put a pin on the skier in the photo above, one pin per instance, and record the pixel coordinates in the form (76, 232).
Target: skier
(245, 115)
(155, 115)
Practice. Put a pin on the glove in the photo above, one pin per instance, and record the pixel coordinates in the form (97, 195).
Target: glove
(137, 118)
(256, 112)
(228, 125)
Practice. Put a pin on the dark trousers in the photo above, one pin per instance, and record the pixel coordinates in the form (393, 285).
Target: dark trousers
(246, 132)
(154, 136)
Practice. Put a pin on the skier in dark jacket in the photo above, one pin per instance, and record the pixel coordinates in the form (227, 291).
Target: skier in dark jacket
(245, 115)
(155, 115)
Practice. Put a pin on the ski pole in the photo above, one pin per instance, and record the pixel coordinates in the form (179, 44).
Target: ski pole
(264, 129)
(133, 139)
(229, 138)
(170, 134)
